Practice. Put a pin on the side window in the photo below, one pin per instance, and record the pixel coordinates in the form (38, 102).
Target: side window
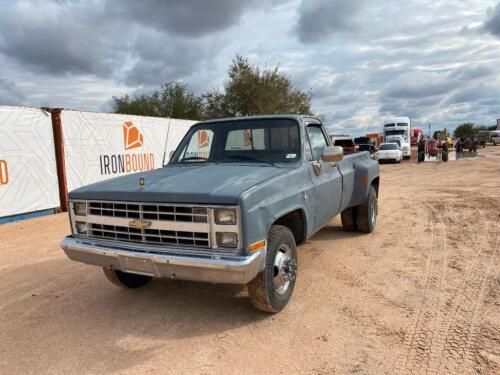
(317, 140)
(199, 146)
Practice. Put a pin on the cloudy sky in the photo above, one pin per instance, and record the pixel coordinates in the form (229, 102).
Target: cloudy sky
(435, 61)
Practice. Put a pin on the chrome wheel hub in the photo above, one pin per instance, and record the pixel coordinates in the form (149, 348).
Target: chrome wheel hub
(284, 269)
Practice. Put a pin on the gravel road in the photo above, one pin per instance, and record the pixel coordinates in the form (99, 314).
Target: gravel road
(420, 295)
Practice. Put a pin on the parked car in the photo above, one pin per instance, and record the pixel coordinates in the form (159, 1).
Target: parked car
(389, 152)
(495, 137)
(347, 144)
(235, 200)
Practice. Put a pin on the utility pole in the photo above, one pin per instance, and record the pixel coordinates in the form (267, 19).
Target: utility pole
(429, 130)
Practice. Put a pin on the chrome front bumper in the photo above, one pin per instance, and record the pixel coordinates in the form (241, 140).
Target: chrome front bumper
(169, 263)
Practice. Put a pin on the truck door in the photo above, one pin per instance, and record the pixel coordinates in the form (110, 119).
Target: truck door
(326, 177)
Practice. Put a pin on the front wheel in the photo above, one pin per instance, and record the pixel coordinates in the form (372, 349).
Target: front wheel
(271, 289)
(125, 279)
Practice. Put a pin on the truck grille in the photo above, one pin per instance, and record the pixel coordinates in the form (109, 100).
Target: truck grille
(152, 236)
(168, 224)
(150, 211)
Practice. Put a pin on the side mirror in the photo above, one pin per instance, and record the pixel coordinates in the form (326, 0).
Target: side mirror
(333, 154)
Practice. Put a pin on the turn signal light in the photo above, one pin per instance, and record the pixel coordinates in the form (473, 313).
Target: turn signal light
(257, 246)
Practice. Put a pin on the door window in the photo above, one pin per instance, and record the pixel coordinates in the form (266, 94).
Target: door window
(317, 139)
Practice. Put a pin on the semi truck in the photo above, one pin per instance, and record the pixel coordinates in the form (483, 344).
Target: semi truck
(398, 130)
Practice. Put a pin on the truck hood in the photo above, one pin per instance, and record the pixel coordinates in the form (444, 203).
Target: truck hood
(206, 184)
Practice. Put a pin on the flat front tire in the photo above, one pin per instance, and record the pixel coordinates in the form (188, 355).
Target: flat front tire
(271, 289)
(367, 213)
(125, 279)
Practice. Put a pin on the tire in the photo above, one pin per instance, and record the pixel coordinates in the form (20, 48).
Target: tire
(268, 292)
(348, 217)
(125, 279)
(367, 213)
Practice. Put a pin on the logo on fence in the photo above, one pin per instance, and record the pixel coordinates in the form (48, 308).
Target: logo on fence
(132, 137)
(129, 162)
(203, 139)
(4, 173)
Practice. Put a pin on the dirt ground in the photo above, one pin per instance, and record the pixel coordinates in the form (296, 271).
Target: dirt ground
(421, 295)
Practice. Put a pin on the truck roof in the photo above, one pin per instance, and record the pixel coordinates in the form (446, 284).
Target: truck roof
(261, 117)
(391, 120)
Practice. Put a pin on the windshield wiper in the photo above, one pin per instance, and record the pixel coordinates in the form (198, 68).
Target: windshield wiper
(192, 158)
(250, 158)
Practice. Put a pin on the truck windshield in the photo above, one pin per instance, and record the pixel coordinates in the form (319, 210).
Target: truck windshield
(394, 132)
(256, 141)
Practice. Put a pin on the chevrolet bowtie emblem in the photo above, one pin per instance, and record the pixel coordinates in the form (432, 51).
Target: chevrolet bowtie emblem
(139, 224)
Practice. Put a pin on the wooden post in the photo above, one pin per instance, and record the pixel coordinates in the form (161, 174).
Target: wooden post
(57, 131)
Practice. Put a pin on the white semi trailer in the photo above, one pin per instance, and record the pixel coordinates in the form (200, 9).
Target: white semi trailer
(398, 130)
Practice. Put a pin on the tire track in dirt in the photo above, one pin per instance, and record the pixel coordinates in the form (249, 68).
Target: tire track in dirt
(419, 341)
(444, 333)
(461, 332)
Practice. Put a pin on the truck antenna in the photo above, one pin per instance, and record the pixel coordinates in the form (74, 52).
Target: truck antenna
(168, 132)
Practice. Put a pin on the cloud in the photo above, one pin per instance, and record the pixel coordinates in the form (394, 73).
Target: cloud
(103, 37)
(317, 19)
(492, 24)
(65, 38)
(10, 94)
(160, 58)
(191, 18)
(418, 85)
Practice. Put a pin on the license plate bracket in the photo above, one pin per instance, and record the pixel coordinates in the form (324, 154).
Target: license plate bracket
(143, 266)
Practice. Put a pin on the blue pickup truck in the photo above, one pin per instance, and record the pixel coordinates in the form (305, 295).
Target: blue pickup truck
(231, 206)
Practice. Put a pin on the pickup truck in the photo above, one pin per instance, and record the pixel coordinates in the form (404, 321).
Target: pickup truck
(236, 198)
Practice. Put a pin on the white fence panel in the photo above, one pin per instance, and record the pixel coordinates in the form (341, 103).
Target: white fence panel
(28, 175)
(99, 146)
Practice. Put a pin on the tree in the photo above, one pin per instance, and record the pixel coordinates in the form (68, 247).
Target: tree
(172, 100)
(465, 130)
(252, 91)
(440, 135)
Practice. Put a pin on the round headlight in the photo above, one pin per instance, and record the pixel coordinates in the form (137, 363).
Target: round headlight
(225, 217)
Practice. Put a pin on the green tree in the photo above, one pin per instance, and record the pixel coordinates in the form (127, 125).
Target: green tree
(252, 91)
(173, 98)
(465, 130)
